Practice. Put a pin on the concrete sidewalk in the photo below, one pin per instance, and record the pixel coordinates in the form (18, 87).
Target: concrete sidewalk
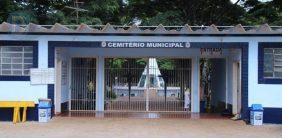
(137, 128)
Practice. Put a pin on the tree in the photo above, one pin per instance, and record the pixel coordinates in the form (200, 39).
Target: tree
(40, 9)
(106, 10)
(263, 12)
(148, 12)
(179, 12)
(6, 8)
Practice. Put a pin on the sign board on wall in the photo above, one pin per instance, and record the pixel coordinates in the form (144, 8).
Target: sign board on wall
(211, 52)
(108, 44)
(42, 76)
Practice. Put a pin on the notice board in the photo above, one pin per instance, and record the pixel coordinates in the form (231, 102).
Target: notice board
(42, 76)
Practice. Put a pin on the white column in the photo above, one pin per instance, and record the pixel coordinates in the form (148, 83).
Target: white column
(147, 84)
(195, 99)
(253, 88)
(100, 84)
(58, 86)
(42, 53)
(42, 63)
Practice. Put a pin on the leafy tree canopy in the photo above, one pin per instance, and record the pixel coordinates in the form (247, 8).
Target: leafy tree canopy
(145, 12)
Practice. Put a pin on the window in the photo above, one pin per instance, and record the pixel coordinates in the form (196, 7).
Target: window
(16, 60)
(273, 62)
(270, 63)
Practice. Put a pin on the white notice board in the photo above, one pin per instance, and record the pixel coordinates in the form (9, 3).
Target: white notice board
(42, 76)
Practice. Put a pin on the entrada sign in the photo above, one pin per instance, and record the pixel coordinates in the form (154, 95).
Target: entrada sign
(211, 51)
(107, 44)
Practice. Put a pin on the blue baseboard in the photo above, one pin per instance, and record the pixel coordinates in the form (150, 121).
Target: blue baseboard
(6, 114)
(272, 115)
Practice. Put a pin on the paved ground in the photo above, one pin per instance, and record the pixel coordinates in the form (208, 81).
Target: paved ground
(137, 128)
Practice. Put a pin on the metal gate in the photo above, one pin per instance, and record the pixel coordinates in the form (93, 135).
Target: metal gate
(83, 84)
(169, 79)
(146, 84)
(122, 76)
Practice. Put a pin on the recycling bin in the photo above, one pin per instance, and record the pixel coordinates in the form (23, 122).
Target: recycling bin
(44, 110)
(256, 114)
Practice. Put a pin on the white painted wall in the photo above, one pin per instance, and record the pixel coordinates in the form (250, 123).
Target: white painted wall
(64, 57)
(235, 56)
(269, 95)
(23, 90)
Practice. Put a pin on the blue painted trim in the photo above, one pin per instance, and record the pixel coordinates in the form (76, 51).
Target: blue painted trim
(92, 44)
(51, 95)
(261, 46)
(18, 43)
(51, 87)
(14, 78)
(244, 46)
(35, 58)
(245, 81)
(97, 44)
(272, 115)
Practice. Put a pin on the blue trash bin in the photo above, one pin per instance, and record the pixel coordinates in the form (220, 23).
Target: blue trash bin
(256, 114)
(44, 110)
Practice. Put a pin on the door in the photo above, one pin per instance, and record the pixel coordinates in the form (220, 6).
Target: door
(83, 84)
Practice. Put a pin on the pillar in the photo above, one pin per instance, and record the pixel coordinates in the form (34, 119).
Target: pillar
(100, 84)
(42, 53)
(195, 99)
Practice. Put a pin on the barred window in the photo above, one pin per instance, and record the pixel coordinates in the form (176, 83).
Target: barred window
(272, 62)
(16, 60)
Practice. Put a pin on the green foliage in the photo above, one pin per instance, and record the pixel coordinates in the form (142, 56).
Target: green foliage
(22, 17)
(106, 10)
(148, 12)
(194, 12)
(166, 18)
(57, 17)
(90, 20)
(263, 12)
(142, 61)
(117, 63)
(111, 95)
(6, 8)
(205, 70)
(166, 64)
